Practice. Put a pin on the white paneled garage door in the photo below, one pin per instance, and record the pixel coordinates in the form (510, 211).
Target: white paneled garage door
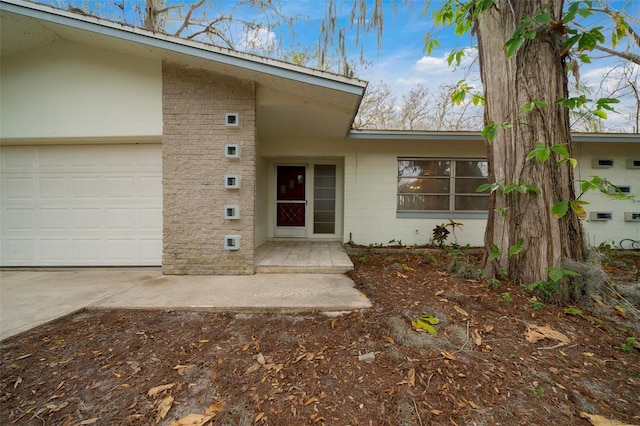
(81, 205)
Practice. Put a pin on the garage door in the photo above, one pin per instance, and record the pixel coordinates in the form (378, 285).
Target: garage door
(81, 205)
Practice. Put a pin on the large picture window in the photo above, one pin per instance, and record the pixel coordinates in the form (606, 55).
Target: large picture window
(437, 185)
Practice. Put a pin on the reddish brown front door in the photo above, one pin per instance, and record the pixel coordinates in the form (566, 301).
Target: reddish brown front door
(291, 201)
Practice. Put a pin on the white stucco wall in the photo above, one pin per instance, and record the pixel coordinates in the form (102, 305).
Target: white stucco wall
(614, 230)
(371, 170)
(69, 90)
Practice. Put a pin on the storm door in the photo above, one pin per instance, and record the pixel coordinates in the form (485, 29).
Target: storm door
(291, 201)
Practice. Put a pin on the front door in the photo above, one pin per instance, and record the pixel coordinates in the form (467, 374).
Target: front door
(291, 201)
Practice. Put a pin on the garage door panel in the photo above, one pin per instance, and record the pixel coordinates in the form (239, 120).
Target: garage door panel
(54, 219)
(151, 219)
(121, 219)
(53, 188)
(81, 205)
(119, 187)
(86, 187)
(19, 188)
(17, 219)
(53, 251)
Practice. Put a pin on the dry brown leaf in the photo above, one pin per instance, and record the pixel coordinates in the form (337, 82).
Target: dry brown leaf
(460, 311)
(311, 400)
(254, 367)
(156, 390)
(411, 377)
(598, 420)
(448, 355)
(214, 408)
(401, 275)
(439, 292)
(488, 328)
(474, 405)
(163, 407)
(192, 420)
(259, 417)
(89, 421)
(476, 337)
(535, 333)
(260, 358)
(436, 412)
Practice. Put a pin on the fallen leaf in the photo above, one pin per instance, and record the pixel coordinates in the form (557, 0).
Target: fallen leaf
(535, 333)
(598, 420)
(401, 275)
(192, 420)
(474, 405)
(436, 412)
(488, 328)
(163, 407)
(203, 341)
(423, 326)
(460, 311)
(476, 337)
(260, 358)
(156, 390)
(89, 421)
(311, 400)
(411, 377)
(214, 408)
(259, 417)
(439, 292)
(448, 355)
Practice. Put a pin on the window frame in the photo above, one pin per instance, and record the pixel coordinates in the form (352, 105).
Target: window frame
(450, 213)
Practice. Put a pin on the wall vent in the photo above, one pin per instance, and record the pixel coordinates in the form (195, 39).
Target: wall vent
(600, 216)
(632, 216)
(602, 163)
(232, 212)
(232, 181)
(232, 242)
(232, 150)
(619, 189)
(633, 163)
(232, 119)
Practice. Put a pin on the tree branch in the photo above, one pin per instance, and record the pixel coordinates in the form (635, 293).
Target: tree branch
(632, 57)
(187, 18)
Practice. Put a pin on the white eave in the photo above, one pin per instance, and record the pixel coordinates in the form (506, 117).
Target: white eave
(463, 136)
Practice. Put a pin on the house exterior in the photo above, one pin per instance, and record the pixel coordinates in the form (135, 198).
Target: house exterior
(122, 147)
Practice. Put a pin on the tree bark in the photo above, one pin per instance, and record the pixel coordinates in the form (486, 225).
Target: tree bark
(535, 72)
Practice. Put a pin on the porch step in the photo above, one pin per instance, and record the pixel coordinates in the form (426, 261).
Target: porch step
(302, 257)
(283, 269)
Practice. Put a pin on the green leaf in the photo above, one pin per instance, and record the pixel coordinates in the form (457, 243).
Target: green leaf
(513, 45)
(560, 209)
(510, 188)
(494, 252)
(430, 319)
(573, 311)
(490, 131)
(543, 18)
(516, 248)
(533, 188)
(555, 275)
(421, 325)
(493, 186)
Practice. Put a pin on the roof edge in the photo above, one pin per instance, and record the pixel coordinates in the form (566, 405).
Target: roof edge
(477, 136)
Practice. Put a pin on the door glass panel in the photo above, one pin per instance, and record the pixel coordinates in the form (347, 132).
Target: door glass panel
(290, 196)
(324, 199)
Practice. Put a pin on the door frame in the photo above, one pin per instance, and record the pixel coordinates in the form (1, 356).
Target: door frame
(291, 231)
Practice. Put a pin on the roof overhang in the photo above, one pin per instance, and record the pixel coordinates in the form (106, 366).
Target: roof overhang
(462, 136)
(292, 101)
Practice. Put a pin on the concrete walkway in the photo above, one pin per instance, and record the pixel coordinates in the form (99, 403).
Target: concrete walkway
(32, 298)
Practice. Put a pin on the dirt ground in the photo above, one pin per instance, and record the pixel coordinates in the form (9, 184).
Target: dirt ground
(499, 358)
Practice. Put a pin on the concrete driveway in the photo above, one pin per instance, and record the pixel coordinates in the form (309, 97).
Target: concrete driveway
(32, 298)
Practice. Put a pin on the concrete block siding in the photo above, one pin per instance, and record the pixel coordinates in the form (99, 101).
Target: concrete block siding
(194, 165)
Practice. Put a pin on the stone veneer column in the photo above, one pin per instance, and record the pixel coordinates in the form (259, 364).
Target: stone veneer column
(194, 103)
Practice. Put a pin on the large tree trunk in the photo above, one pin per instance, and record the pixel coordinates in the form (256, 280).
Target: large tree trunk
(535, 72)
